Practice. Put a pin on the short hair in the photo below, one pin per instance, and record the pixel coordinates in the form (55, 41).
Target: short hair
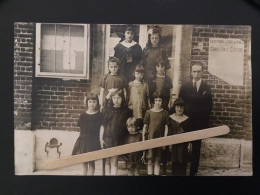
(137, 123)
(161, 62)
(92, 96)
(139, 68)
(156, 95)
(178, 102)
(197, 64)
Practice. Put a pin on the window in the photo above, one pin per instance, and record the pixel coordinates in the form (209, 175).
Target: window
(62, 50)
(114, 34)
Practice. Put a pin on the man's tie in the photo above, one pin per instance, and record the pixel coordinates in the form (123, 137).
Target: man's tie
(195, 86)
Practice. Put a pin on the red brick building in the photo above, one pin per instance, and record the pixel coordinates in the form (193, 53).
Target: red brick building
(55, 102)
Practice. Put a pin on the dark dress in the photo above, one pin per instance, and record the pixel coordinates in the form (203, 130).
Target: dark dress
(156, 122)
(150, 57)
(88, 139)
(129, 57)
(179, 152)
(134, 158)
(162, 85)
(114, 122)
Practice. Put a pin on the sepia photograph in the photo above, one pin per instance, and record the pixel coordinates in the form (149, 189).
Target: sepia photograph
(82, 89)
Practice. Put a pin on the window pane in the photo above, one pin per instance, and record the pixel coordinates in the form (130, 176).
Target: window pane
(62, 48)
(77, 49)
(47, 48)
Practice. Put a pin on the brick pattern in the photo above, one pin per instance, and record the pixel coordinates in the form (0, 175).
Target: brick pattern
(58, 103)
(232, 104)
(24, 39)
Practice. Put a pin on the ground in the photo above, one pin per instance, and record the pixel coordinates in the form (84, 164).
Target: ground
(203, 171)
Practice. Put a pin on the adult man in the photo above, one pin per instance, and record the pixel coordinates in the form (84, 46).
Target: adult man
(197, 96)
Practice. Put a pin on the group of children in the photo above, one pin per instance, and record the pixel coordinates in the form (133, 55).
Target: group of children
(133, 105)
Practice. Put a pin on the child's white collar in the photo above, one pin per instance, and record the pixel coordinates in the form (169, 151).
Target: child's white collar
(156, 110)
(179, 119)
(128, 45)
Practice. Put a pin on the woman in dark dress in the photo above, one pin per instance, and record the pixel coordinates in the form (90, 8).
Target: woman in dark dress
(179, 123)
(129, 53)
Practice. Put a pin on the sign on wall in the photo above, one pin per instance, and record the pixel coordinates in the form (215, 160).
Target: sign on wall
(226, 59)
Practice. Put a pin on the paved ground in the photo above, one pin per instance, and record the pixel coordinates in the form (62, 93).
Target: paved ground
(203, 171)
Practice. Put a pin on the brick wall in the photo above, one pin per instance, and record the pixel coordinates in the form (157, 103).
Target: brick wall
(57, 103)
(24, 39)
(49, 103)
(232, 104)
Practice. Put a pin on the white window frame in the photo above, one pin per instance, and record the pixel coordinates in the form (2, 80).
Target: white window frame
(86, 64)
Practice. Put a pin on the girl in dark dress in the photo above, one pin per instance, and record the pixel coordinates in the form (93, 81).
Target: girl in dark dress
(113, 129)
(129, 53)
(89, 123)
(179, 123)
(154, 51)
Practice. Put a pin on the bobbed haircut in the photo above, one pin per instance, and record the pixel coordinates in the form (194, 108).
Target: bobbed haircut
(178, 102)
(91, 96)
(156, 95)
(139, 68)
(161, 62)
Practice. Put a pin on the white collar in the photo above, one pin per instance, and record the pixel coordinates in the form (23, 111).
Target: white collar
(179, 119)
(198, 82)
(156, 110)
(160, 76)
(137, 82)
(128, 45)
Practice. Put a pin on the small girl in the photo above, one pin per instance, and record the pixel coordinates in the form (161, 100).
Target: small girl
(153, 51)
(113, 129)
(112, 81)
(134, 126)
(138, 93)
(161, 83)
(129, 53)
(89, 123)
(179, 123)
(155, 124)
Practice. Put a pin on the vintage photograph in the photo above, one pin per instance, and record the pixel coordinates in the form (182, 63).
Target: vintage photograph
(81, 88)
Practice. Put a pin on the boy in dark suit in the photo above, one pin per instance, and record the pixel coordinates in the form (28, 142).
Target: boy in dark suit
(197, 96)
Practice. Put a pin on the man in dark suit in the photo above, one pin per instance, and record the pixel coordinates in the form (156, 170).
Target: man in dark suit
(197, 97)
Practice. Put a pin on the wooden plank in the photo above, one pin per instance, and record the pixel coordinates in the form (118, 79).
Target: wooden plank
(137, 146)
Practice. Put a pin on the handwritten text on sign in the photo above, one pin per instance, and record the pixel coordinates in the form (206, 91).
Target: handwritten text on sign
(226, 59)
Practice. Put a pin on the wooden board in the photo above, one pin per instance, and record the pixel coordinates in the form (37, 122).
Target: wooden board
(137, 146)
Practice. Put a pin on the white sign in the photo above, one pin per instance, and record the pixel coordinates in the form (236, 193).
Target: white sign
(226, 59)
